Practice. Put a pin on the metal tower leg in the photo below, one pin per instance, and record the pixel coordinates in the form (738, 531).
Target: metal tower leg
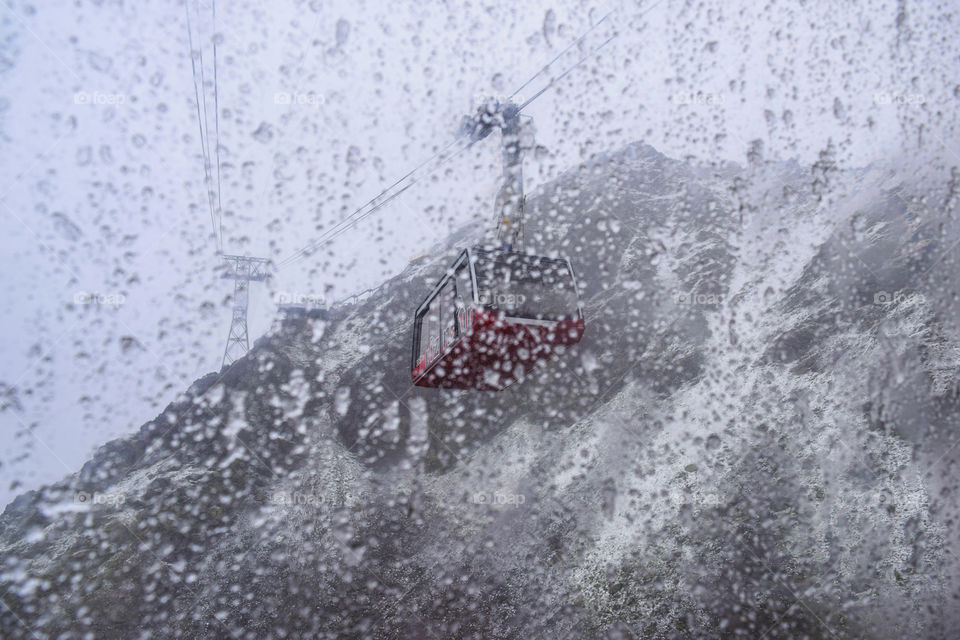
(243, 271)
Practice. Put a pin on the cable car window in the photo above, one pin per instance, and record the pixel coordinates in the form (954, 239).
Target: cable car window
(429, 326)
(448, 310)
(422, 335)
(526, 286)
(464, 295)
(433, 328)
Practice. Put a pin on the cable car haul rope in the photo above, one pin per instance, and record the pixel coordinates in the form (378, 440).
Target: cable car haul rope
(498, 312)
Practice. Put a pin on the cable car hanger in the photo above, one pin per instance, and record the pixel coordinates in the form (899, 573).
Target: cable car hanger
(497, 312)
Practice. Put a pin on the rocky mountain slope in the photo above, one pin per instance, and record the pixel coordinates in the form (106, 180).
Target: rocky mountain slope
(753, 439)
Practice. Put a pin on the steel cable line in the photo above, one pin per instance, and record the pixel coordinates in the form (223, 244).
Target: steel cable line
(203, 124)
(196, 93)
(207, 165)
(216, 113)
(561, 76)
(559, 55)
(564, 74)
(373, 205)
(341, 228)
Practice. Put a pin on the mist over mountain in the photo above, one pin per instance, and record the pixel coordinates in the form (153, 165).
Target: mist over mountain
(748, 442)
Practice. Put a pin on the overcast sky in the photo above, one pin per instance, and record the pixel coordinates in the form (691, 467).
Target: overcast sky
(323, 104)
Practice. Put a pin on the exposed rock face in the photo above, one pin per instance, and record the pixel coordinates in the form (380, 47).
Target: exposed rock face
(750, 441)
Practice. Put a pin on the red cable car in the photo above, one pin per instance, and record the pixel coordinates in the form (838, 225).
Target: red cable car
(497, 312)
(492, 318)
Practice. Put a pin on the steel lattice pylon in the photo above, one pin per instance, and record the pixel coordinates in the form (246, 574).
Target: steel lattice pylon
(243, 270)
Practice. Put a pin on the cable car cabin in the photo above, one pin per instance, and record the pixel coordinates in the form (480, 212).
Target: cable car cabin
(492, 318)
